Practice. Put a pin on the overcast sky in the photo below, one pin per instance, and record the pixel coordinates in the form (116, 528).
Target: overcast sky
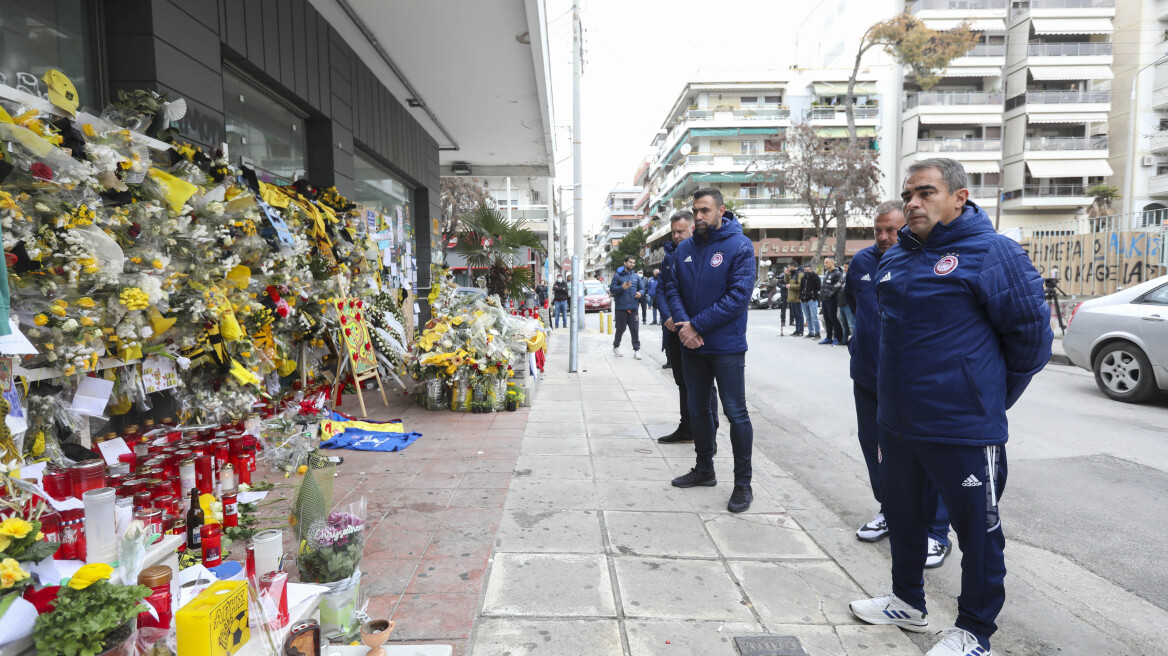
(639, 54)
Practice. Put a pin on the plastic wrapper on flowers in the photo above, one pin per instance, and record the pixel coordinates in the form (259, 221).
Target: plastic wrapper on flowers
(290, 436)
(331, 547)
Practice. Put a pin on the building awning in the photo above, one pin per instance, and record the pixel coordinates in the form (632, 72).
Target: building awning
(1044, 73)
(972, 71)
(1067, 117)
(658, 233)
(981, 167)
(960, 119)
(842, 133)
(1068, 168)
(841, 88)
(1072, 25)
(976, 24)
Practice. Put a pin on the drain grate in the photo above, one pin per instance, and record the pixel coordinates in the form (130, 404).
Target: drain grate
(769, 645)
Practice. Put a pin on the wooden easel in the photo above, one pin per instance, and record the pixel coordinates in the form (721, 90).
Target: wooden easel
(342, 364)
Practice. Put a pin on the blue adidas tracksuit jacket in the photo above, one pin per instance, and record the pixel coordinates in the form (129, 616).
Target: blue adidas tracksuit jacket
(963, 328)
(711, 285)
(664, 281)
(626, 299)
(861, 297)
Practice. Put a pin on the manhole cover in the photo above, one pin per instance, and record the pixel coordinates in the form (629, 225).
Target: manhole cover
(769, 646)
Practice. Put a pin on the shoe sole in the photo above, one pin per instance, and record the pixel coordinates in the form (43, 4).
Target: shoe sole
(738, 510)
(872, 540)
(662, 441)
(710, 483)
(900, 624)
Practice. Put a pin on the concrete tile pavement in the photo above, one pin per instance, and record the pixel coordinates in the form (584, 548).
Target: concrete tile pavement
(596, 553)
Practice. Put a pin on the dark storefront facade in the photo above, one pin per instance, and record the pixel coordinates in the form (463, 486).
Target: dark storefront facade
(270, 78)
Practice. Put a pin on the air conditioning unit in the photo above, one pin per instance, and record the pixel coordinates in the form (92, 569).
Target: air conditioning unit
(1147, 160)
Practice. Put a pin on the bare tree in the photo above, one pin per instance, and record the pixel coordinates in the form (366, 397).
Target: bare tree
(825, 175)
(461, 196)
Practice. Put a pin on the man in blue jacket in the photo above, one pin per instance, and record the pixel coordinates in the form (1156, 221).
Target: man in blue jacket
(713, 277)
(681, 228)
(860, 296)
(627, 288)
(963, 329)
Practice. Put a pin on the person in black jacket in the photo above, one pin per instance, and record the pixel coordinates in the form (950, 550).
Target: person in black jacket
(809, 297)
(833, 282)
(541, 291)
(560, 302)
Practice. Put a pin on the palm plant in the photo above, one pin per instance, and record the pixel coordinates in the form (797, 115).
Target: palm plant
(487, 240)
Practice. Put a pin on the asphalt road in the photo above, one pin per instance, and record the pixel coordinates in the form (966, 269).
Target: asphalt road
(1084, 510)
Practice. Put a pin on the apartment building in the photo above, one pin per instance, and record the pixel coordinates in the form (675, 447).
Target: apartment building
(518, 197)
(621, 216)
(1139, 158)
(1026, 111)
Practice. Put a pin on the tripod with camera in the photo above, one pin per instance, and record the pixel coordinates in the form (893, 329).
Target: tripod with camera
(1052, 292)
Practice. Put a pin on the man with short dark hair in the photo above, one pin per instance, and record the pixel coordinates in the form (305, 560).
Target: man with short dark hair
(560, 294)
(833, 284)
(809, 297)
(626, 288)
(963, 329)
(709, 295)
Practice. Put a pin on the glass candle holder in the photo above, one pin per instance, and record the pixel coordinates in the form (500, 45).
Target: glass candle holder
(100, 538)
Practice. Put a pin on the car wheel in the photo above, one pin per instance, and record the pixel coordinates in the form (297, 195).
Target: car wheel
(1124, 373)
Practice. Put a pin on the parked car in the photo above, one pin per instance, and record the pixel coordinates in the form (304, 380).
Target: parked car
(1123, 339)
(759, 298)
(596, 297)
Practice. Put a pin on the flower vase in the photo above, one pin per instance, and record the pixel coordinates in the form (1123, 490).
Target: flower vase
(338, 606)
(435, 394)
(124, 640)
(460, 401)
(500, 393)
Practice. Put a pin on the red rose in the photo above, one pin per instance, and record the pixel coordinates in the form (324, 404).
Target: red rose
(340, 306)
(282, 311)
(348, 331)
(351, 303)
(358, 316)
(41, 171)
(344, 319)
(368, 346)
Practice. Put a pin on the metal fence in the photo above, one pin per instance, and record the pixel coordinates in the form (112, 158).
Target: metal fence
(1100, 255)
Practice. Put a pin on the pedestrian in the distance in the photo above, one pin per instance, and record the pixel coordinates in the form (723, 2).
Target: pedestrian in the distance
(809, 297)
(860, 291)
(963, 329)
(627, 289)
(793, 285)
(644, 297)
(541, 292)
(560, 302)
(709, 296)
(846, 316)
(681, 228)
(652, 293)
(832, 285)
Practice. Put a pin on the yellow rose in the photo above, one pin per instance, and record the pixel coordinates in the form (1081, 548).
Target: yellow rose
(90, 574)
(85, 302)
(11, 573)
(15, 527)
(40, 320)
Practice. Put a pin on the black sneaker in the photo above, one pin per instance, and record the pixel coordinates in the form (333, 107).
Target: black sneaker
(695, 478)
(740, 499)
(679, 436)
(667, 366)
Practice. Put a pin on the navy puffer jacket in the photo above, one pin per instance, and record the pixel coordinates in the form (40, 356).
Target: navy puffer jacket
(963, 329)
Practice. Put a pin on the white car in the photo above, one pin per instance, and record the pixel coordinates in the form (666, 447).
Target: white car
(1123, 339)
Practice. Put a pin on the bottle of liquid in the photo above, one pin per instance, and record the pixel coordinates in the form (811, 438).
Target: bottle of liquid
(194, 523)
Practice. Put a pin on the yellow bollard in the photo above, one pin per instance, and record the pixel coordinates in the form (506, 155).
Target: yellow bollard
(611, 317)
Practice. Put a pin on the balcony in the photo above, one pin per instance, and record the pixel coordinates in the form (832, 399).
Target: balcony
(1160, 141)
(762, 113)
(984, 194)
(837, 115)
(1067, 98)
(1158, 185)
(1051, 8)
(959, 146)
(1097, 143)
(987, 50)
(953, 98)
(1160, 98)
(1046, 195)
(1091, 49)
(956, 5)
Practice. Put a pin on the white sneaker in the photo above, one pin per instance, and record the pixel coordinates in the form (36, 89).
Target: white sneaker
(617, 352)
(958, 642)
(889, 609)
(636, 355)
(936, 554)
(873, 531)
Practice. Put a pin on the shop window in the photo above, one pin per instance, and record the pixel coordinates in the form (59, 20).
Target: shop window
(378, 189)
(37, 36)
(262, 132)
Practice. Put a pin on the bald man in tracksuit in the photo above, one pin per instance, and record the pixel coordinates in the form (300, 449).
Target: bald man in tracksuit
(963, 329)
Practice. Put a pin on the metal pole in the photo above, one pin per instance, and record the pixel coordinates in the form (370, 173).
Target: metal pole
(577, 192)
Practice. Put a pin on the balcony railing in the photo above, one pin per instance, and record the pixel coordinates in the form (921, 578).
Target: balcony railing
(983, 191)
(762, 113)
(830, 113)
(699, 158)
(1067, 97)
(953, 98)
(987, 50)
(956, 5)
(1067, 143)
(959, 145)
(743, 159)
(1047, 191)
(699, 115)
(767, 203)
(1069, 49)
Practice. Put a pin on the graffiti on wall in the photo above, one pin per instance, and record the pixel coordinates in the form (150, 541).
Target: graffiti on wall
(1100, 263)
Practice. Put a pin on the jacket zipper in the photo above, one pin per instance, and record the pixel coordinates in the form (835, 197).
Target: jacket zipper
(900, 332)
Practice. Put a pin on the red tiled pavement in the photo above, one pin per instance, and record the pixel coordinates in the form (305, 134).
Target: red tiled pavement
(434, 509)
